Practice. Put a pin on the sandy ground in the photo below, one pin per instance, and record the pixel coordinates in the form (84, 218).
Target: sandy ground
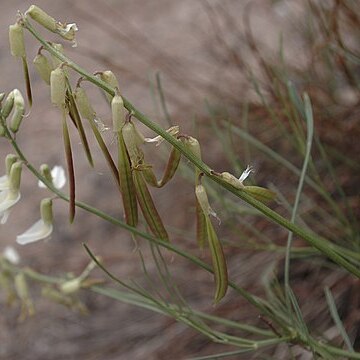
(137, 39)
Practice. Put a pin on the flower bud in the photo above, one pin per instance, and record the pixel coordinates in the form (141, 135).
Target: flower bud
(43, 67)
(46, 172)
(109, 78)
(9, 161)
(83, 103)
(8, 105)
(58, 87)
(118, 113)
(41, 17)
(16, 38)
(232, 180)
(15, 178)
(193, 145)
(46, 211)
(19, 111)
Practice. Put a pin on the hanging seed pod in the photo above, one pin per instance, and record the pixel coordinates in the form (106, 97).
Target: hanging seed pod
(127, 184)
(171, 167)
(8, 105)
(58, 87)
(59, 48)
(217, 254)
(118, 113)
(130, 138)
(148, 208)
(42, 18)
(85, 108)
(43, 67)
(109, 78)
(19, 111)
(16, 39)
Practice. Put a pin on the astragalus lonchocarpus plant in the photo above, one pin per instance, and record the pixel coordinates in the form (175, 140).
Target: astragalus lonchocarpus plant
(133, 175)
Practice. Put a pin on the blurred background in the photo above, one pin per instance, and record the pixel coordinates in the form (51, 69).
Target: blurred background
(210, 58)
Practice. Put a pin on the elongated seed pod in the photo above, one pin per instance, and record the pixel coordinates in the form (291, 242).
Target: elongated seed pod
(219, 262)
(136, 155)
(59, 48)
(19, 111)
(118, 113)
(201, 231)
(85, 108)
(58, 87)
(42, 18)
(109, 78)
(149, 176)
(127, 184)
(171, 167)
(148, 208)
(259, 193)
(43, 67)
(8, 105)
(16, 39)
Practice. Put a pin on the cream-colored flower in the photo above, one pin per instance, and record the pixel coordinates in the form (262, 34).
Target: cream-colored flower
(42, 229)
(174, 130)
(246, 173)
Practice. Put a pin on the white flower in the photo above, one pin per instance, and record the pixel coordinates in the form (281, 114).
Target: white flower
(245, 173)
(10, 196)
(5, 180)
(11, 255)
(67, 31)
(42, 229)
(8, 199)
(57, 176)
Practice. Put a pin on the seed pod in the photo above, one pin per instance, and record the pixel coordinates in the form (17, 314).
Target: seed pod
(200, 226)
(19, 111)
(46, 211)
(127, 184)
(41, 17)
(130, 139)
(118, 113)
(58, 87)
(16, 39)
(59, 48)
(8, 105)
(232, 180)
(171, 167)
(148, 208)
(259, 193)
(219, 262)
(43, 67)
(109, 78)
(83, 103)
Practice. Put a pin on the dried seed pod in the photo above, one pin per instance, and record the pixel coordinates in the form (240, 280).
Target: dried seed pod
(58, 87)
(42, 18)
(127, 184)
(43, 67)
(8, 105)
(83, 103)
(19, 111)
(148, 208)
(16, 38)
(131, 142)
(109, 78)
(118, 113)
(259, 193)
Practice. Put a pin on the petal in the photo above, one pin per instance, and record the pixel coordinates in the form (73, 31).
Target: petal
(8, 199)
(246, 173)
(58, 176)
(4, 182)
(4, 216)
(11, 255)
(36, 232)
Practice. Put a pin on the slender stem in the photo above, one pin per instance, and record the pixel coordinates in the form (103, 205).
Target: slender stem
(318, 242)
